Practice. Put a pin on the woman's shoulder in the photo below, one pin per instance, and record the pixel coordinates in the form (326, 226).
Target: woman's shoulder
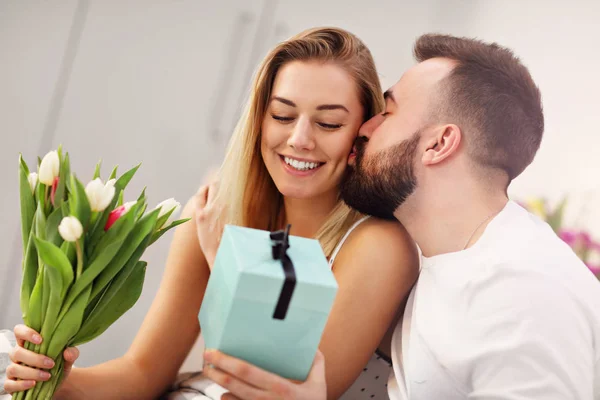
(388, 232)
(377, 239)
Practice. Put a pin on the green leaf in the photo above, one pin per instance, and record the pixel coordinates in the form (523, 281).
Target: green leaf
(97, 171)
(44, 276)
(69, 250)
(80, 206)
(163, 219)
(122, 294)
(92, 303)
(105, 279)
(141, 212)
(27, 202)
(34, 315)
(142, 195)
(40, 194)
(120, 200)
(52, 234)
(68, 324)
(63, 176)
(53, 257)
(54, 286)
(66, 169)
(30, 270)
(134, 242)
(66, 209)
(40, 221)
(162, 231)
(113, 174)
(124, 179)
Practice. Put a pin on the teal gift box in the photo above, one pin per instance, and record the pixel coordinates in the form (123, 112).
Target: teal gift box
(267, 300)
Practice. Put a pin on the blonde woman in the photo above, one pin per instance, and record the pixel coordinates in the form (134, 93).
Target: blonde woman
(284, 165)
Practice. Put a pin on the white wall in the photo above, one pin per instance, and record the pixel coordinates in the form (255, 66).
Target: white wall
(162, 81)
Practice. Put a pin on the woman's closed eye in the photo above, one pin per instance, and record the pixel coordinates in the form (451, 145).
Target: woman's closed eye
(329, 126)
(287, 120)
(282, 119)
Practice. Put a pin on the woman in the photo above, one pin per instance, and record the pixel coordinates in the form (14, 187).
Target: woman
(284, 165)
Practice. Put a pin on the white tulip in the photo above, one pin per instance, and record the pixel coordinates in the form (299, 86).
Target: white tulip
(70, 229)
(49, 167)
(165, 207)
(33, 179)
(128, 205)
(100, 195)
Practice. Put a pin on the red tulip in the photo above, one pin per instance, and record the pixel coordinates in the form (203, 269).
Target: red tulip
(53, 191)
(117, 213)
(114, 216)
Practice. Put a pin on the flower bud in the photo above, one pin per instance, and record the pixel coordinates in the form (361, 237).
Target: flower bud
(49, 168)
(70, 229)
(33, 179)
(165, 207)
(100, 195)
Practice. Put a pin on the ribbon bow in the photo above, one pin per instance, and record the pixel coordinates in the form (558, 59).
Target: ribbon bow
(280, 245)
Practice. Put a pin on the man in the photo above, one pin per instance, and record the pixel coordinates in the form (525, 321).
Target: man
(502, 308)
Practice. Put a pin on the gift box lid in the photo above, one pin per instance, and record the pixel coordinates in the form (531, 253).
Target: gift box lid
(248, 252)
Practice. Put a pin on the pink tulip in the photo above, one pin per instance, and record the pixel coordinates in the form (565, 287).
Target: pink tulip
(568, 236)
(53, 191)
(117, 213)
(579, 240)
(594, 268)
(114, 216)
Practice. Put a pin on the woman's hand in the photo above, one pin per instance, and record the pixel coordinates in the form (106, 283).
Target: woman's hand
(208, 224)
(22, 373)
(248, 382)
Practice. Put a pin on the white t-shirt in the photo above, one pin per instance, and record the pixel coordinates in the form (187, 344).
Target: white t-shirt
(514, 317)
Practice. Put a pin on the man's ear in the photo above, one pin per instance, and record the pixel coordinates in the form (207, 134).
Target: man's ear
(442, 144)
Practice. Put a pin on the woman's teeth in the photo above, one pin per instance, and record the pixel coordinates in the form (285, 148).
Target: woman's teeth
(301, 165)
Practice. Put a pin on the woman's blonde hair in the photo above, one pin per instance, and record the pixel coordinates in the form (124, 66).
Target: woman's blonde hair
(246, 189)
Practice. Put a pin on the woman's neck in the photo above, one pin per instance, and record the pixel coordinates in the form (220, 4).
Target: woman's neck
(307, 216)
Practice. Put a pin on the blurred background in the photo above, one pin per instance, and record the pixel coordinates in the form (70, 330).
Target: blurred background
(163, 82)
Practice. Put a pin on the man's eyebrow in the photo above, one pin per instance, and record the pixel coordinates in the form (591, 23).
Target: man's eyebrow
(389, 95)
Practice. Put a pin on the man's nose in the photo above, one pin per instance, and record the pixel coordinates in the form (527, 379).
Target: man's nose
(368, 127)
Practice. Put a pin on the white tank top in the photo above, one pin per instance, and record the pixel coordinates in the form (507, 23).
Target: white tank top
(341, 242)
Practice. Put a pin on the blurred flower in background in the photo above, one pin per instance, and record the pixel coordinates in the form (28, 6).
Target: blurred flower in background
(580, 240)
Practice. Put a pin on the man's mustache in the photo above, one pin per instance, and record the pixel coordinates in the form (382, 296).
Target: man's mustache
(359, 144)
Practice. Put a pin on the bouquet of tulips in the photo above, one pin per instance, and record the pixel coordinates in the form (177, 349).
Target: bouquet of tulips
(81, 255)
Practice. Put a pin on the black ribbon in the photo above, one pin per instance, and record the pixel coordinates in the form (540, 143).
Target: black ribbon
(280, 245)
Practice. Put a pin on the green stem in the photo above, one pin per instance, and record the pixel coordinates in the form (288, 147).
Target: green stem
(46, 194)
(21, 395)
(79, 259)
(47, 389)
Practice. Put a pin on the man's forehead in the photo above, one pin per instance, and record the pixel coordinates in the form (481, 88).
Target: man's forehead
(423, 76)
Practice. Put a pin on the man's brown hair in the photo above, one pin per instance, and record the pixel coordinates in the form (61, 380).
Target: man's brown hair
(491, 96)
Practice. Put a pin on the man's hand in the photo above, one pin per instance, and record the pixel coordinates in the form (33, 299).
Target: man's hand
(248, 382)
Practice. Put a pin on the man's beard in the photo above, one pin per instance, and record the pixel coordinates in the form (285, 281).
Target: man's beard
(379, 184)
